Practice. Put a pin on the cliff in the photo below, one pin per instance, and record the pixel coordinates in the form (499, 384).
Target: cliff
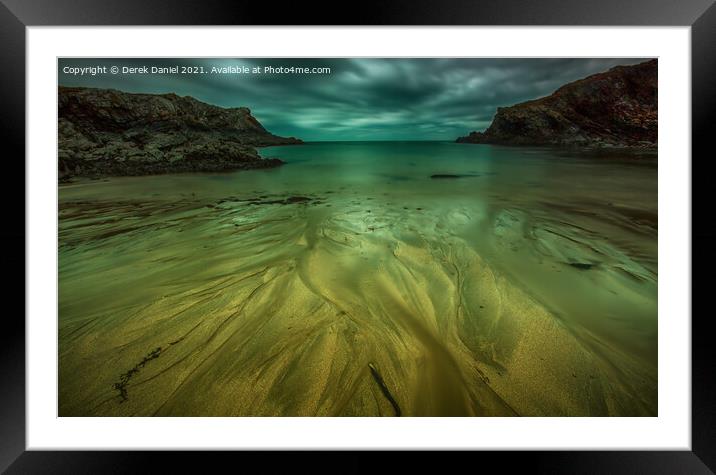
(614, 108)
(107, 132)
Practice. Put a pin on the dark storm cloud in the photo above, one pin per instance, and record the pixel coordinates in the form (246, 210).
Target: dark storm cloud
(361, 99)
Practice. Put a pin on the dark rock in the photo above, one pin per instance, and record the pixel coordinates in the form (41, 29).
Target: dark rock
(617, 108)
(285, 201)
(296, 199)
(104, 132)
(472, 137)
(582, 265)
(444, 176)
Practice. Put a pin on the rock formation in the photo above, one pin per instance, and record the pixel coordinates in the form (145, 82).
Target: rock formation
(614, 108)
(105, 132)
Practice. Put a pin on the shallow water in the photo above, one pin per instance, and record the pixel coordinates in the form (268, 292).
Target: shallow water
(353, 281)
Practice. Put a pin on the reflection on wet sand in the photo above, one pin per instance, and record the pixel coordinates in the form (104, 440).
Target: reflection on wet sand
(352, 300)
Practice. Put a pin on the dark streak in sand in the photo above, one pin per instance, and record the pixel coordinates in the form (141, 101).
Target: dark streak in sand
(384, 389)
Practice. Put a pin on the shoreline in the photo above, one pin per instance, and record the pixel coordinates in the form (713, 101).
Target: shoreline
(158, 169)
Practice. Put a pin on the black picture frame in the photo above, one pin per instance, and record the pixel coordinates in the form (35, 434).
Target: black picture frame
(16, 15)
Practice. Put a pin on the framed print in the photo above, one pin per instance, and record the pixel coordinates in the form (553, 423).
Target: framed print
(430, 230)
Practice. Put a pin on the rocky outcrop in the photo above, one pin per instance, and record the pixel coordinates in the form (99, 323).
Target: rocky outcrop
(105, 132)
(615, 108)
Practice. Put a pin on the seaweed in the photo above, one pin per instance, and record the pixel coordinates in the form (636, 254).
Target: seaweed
(124, 378)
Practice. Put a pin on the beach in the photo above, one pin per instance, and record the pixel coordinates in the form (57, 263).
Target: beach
(364, 279)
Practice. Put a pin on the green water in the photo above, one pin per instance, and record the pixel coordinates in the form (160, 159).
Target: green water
(353, 281)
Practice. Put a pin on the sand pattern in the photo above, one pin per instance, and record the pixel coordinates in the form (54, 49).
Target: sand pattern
(353, 304)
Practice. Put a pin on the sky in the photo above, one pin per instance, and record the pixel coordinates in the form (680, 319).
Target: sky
(359, 99)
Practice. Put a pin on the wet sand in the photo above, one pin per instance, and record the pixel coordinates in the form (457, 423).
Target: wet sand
(255, 295)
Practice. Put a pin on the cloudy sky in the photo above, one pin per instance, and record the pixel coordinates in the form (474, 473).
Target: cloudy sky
(361, 98)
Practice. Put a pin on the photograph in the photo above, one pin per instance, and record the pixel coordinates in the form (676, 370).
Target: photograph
(357, 236)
